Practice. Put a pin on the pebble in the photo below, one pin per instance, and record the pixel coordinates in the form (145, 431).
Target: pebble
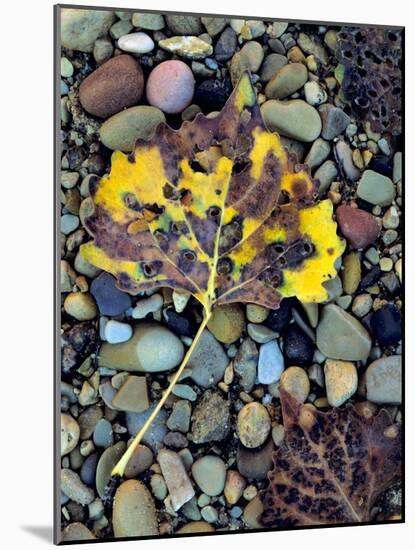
(208, 361)
(298, 347)
(156, 432)
(66, 67)
(358, 226)
(72, 487)
(178, 482)
(195, 527)
(69, 434)
(148, 21)
(294, 118)
(116, 84)
(140, 461)
(110, 300)
(296, 382)
(136, 42)
(271, 65)
(158, 487)
(334, 120)
(184, 24)
(345, 159)
(211, 419)
(270, 363)
(249, 58)
(318, 153)
(314, 93)
(362, 304)
(179, 419)
(214, 25)
(311, 310)
(352, 273)
(103, 50)
(278, 28)
(255, 463)
(103, 435)
(311, 45)
(341, 381)
(180, 300)
(390, 219)
(376, 188)
(252, 513)
(170, 86)
(88, 469)
(190, 47)
(234, 486)
(286, 81)
(117, 332)
(152, 348)
(326, 174)
(80, 305)
(256, 313)
(212, 94)
(279, 318)
(120, 28)
(260, 333)
(87, 421)
(383, 380)
(80, 27)
(121, 131)
(134, 513)
(341, 336)
(74, 532)
(386, 325)
(386, 264)
(209, 514)
(245, 364)
(397, 167)
(132, 395)
(209, 472)
(185, 392)
(68, 223)
(227, 323)
(146, 306)
(253, 425)
(278, 431)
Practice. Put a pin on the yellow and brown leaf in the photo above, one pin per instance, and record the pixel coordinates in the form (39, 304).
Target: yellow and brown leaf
(216, 208)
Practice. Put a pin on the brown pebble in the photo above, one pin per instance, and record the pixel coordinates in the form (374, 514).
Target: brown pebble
(359, 227)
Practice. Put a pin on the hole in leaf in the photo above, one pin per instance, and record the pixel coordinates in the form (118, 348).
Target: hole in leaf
(214, 212)
(224, 266)
(240, 166)
(131, 201)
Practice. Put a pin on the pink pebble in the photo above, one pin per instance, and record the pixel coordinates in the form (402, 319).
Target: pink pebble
(170, 86)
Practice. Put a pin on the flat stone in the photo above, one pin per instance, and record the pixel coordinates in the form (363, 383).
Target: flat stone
(314, 93)
(376, 188)
(270, 363)
(383, 380)
(298, 346)
(80, 27)
(260, 333)
(296, 382)
(134, 513)
(351, 274)
(72, 487)
(358, 226)
(195, 527)
(334, 120)
(136, 42)
(170, 86)
(208, 361)
(156, 432)
(110, 300)
(294, 118)
(190, 47)
(254, 464)
(132, 395)
(211, 419)
(234, 486)
(386, 324)
(103, 436)
(245, 364)
(178, 482)
(117, 332)
(286, 81)
(341, 336)
(148, 21)
(341, 381)
(140, 461)
(184, 24)
(227, 323)
(256, 313)
(179, 419)
(209, 472)
(326, 174)
(318, 153)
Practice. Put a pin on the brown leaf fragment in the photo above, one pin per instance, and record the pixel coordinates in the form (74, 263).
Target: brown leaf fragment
(331, 467)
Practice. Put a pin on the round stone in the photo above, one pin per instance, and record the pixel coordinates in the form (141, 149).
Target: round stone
(208, 361)
(140, 461)
(68, 223)
(295, 381)
(195, 527)
(234, 486)
(256, 313)
(80, 305)
(255, 463)
(147, 305)
(270, 363)
(170, 86)
(69, 434)
(103, 435)
(271, 65)
(209, 472)
(279, 318)
(226, 45)
(383, 380)
(66, 67)
(315, 94)
(253, 425)
(116, 84)
(334, 120)
(227, 323)
(116, 332)
(106, 463)
(136, 42)
(80, 27)
(298, 347)
(294, 119)
(376, 188)
(286, 81)
(134, 513)
(121, 131)
(184, 24)
(211, 419)
(341, 381)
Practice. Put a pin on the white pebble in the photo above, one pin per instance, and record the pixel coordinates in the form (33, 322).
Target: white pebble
(136, 42)
(116, 332)
(180, 300)
(146, 306)
(270, 363)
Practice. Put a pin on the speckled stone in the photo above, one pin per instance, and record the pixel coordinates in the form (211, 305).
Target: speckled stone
(227, 323)
(383, 380)
(341, 381)
(134, 513)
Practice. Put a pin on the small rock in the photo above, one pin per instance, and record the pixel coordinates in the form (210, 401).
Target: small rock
(211, 419)
(180, 300)
(375, 188)
(80, 27)
(140, 461)
(311, 45)
(227, 323)
(74, 532)
(209, 472)
(286, 81)
(134, 513)
(214, 25)
(120, 28)
(103, 436)
(195, 527)
(156, 432)
(184, 24)
(271, 65)
(296, 382)
(256, 313)
(170, 86)
(159, 487)
(270, 363)
(252, 513)
(132, 395)
(226, 45)
(69, 434)
(311, 310)
(190, 47)
(209, 514)
(334, 120)
(176, 478)
(103, 50)
(345, 159)
(180, 417)
(279, 318)
(351, 274)
(88, 420)
(362, 304)
(116, 332)
(278, 432)
(146, 306)
(397, 167)
(148, 21)
(66, 67)
(88, 469)
(384, 380)
(390, 219)
(185, 392)
(260, 333)
(116, 84)
(326, 174)
(249, 57)
(80, 305)
(245, 364)
(294, 118)
(72, 487)
(253, 425)
(386, 324)
(212, 94)
(341, 336)
(152, 348)
(110, 300)
(359, 227)
(121, 131)
(298, 347)
(234, 486)
(136, 42)
(68, 223)
(255, 463)
(341, 381)
(318, 153)
(208, 361)
(315, 94)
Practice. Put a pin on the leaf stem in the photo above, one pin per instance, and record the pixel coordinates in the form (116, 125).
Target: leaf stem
(119, 468)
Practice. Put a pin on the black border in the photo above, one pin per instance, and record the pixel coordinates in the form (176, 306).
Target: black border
(57, 297)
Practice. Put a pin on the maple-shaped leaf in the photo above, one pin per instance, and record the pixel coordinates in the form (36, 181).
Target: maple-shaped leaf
(331, 467)
(216, 208)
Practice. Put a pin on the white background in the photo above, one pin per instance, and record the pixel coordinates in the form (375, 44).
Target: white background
(26, 271)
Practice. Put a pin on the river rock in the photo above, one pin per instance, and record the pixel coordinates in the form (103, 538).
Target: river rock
(318, 153)
(184, 24)
(80, 305)
(255, 463)
(178, 482)
(294, 118)
(209, 472)
(226, 45)
(72, 487)
(376, 188)
(270, 363)
(271, 65)
(341, 381)
(253, 425)
(156, 432)
(190, 47)
(386, 324)
(208, 361)
(211, 419)
(134, 513)
(148, 21)
(227, 323)
(69, 434)
(296, 382)
(110, 299)
(74, 532)
(245, 364)
(383, 380)
(334, 120)
(132, 395)
(140, 461)
(136, 42)
(358, 226)
(195, 527)
(286, 81)
(170, 86)
(116, 84)
(81, 27)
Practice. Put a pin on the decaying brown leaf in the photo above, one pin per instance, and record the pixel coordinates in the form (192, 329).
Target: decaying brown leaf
(331, 467)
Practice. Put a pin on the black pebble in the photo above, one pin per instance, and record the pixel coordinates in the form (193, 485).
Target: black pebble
(182, 325)
(110, 299)
(278, 319)
(386, 325)
(211, 95)
(88, 469)
(370, 278)
(298, 347)
(383, 165)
